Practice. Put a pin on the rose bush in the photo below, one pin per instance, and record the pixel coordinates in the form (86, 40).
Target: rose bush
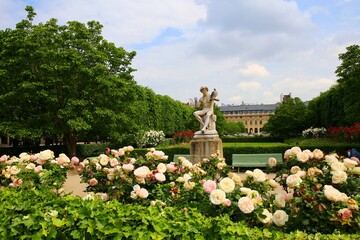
(40, 170)
(311, 191)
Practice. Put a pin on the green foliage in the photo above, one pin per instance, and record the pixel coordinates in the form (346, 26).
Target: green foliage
(289, 120)
(38, 214)
(232, 128)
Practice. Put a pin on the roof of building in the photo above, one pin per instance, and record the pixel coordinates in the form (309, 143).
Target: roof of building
(248, 107)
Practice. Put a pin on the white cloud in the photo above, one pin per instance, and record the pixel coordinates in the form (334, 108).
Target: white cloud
(255, 70)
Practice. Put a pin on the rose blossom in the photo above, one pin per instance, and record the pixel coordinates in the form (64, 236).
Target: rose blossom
(330, 159)
(30, 166)
(287, 154)
(120, 152)
(24, 157)
(4, 158)
(46, 155)
(245, 190)
(313, 171)
(75, 160)
(338, 166)
(160, 177)
(114, 162)
(302, 157)
(318, 154)
(217, 196)
(268, 216)
(334, 195)
(259, 176)
(38, 168)
(128, 167)
(227, 203)
(272, 183)
(293, 181)
(255, 197)
(171, 167)
(104, 159)
(280, 200)
(350, 163)
(188, 185)
(142, 172)
(62, 159)
(246, 205)
(93, 182)
(309, 153)
(272, 162)
(159, 155)
(280, 217)
(209, 186)
(295, 169)
(142, 193)
(161, 168)
(345, 214)
(295, 150)
(227, 185)
(186, 164)
(249, 173)
(338, 177)
(301, 174)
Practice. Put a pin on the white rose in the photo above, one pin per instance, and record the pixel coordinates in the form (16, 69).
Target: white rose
(350, 163)
(245, 190)
(273, 183)
(338, 166)
(187, 177)
(272, 162)
(24, 157)
(280, 200)
(30, 166)
(334, 195)
(142, 172)
(309, 153)
(161, 168)
(265, 217)
(186, 164)
(330, 159)
(217, 196)
(280, 217)
(189, 185)
(142, 193)
(259, 176)
(249, 173)
(295, 150)
(318, 154)
(114, 162)
(295, 169)
(128, 167)
(356, 170)
(46, 155)
(287, 154)
(227, 185)
(293, 181)
(302, 157)
(255, 197)
(338, 177)
(160, 177)
(246, 205)
(104, 159)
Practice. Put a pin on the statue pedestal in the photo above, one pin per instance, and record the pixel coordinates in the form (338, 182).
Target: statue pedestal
(204, 145)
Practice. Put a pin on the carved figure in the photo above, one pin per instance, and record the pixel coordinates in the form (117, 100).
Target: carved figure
(206, 116)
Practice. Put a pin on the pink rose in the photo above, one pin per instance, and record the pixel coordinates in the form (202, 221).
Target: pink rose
(128, 167)
(38, 168)
(93, 182)
(142, 193)
(345, 214)
(227, 203)
(3, 158)
(171, 167)
(209, 186)
(160, 177)
(142, 172)
(75, 160)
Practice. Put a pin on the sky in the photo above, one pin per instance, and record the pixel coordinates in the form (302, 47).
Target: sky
(251, 51)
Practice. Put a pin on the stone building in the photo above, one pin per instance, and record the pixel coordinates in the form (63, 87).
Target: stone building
(254, 116)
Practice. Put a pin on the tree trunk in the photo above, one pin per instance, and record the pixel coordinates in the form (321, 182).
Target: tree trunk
(70, 139)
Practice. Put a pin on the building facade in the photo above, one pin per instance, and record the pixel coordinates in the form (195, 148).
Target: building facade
(254, 116)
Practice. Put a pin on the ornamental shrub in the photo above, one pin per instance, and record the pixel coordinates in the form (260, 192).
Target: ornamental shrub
(149, 138)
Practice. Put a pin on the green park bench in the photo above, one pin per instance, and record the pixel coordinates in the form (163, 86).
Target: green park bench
(254, 160)
(176, 157)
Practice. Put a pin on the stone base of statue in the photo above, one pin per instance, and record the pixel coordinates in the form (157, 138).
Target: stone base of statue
(204, 144)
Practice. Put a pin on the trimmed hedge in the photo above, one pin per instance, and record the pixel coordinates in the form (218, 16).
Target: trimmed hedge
(251, 139)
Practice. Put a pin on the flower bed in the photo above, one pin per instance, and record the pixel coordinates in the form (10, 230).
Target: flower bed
(311, 192)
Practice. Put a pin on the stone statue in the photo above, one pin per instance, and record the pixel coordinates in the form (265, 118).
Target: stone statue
(206, 116)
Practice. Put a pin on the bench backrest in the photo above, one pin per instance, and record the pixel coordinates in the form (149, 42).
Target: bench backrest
(254, 160)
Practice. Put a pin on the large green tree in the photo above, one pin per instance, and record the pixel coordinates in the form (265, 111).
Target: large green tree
(289, 119)
(63, 80)
(349, 79)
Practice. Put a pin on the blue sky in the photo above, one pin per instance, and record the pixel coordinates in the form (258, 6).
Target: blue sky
(251, 51)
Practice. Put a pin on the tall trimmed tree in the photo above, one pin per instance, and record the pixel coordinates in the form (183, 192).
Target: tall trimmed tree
(63, 80)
